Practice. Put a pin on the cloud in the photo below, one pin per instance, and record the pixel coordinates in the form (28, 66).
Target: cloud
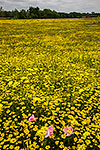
(58, 5)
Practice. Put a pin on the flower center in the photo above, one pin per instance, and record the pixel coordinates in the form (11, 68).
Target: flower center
(69, 131)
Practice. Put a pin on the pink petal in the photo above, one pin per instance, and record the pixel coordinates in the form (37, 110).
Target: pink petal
(49, 131)
(32, 118)
(70, 128)
(50, 128)
(69, 134)
(48, 134)
(67, 128)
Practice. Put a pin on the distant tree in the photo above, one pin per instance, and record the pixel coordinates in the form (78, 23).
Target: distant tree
(22, 14)
(34, 12)
(1, 8)
(46, 13)
(75, 15)
(41, 14)
(93, 14)
(55, 14)
(63, 15)
(15, 14)
(1, 12)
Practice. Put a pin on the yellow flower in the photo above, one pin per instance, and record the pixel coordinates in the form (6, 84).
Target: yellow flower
(61, 146)
(63, 136)
(99, 146)
(13, 140)
(47, 147)
(26, 131)
(35, 138)
(1, 106)
(75, 139)
(87, 142)
(65, 148)
(10, 135)
(1, 138)
(73, 147)
(11, 147)
(17, 148)
(56, 142)
(5, 146)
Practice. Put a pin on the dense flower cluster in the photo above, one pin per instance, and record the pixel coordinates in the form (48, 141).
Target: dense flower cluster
(50, 84)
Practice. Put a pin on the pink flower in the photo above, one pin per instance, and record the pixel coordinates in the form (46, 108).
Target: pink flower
(32, 118)
(49, 131)
(68, 131)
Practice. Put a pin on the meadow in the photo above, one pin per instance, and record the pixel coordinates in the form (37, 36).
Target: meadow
(50, 80)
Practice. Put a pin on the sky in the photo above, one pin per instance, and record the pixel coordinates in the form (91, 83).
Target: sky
(57, 5)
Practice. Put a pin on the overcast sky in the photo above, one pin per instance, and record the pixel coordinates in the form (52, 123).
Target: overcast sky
(58, 5)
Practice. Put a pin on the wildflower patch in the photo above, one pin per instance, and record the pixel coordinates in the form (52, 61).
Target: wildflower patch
(50, 84)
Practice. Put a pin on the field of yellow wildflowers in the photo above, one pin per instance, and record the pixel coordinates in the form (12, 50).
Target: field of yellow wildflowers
(50, 84)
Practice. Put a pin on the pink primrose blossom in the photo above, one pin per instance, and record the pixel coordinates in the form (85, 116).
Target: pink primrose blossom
(32, 118)
(49, 131)
(68, 131)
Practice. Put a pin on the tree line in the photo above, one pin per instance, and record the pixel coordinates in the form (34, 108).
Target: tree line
(36, 13)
